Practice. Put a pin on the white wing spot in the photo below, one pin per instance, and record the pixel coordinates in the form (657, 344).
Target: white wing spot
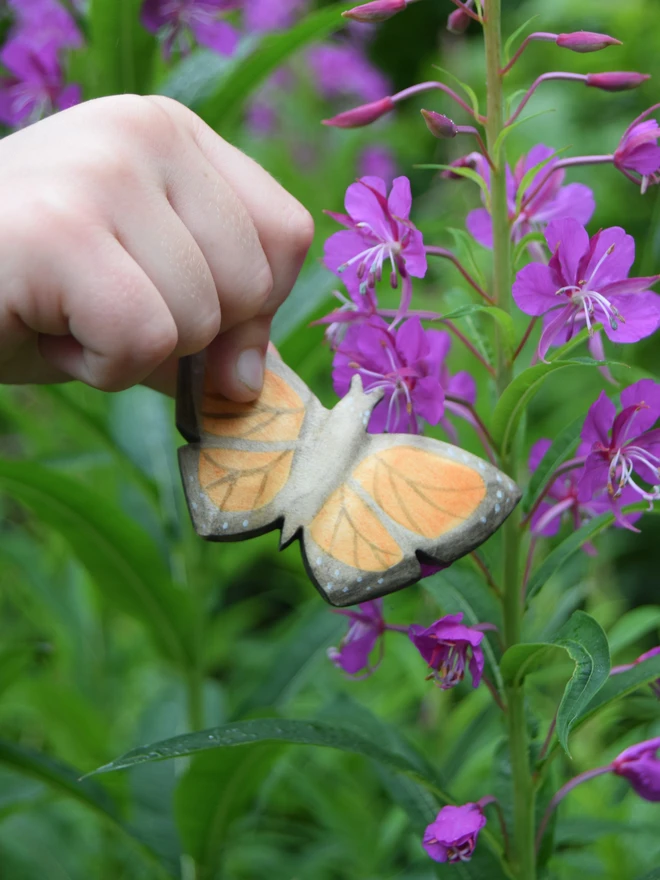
(483, 519)
(191, 478)
(336, 572)
(498, 478)
(329, 586)
(368, 589)
(225, 525)
(319, 560)
(193, 505)
(359, 580)
(497, 508)
(245, 524)
(345, 590)
(499, 493)
(381, 580)
(482, 465)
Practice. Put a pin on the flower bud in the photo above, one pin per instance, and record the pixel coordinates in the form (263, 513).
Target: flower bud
(440, 126)
(458, 22)
(640, 766)
(378, 10)
(365, 114)
(616, 81)
(585, 41)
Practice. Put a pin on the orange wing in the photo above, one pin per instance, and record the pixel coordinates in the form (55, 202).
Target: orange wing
(426, 493)
(350, 532)
(276, 416)
(245, 475)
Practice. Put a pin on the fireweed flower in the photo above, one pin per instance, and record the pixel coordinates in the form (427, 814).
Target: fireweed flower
(405, 363)
(356, 308)
(552, 201)
(260, 16)
(35, 87)
(342, 69)
(453, 836)
(587, 282)
(45, 22)
(626, 667)
(379, 232)
(445, 646)
(561, 498)
(366, 628)
(638, 153)
(181, 23)
(375, 161)
(624, 449)
(641, 767)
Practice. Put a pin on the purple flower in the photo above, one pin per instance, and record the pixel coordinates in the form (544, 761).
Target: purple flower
(654, 652)
(271, 15)
(624, 449)
(180, 23)
(36, 86)
(377, 161)
(445, 646)
(541, 202)
(405, 363)
(340, 70)
(354, 309)
(45, 22)
(640, 766)
(453, 836)
(638, 152)
(366, 629)
(379, 231)
(586, 282)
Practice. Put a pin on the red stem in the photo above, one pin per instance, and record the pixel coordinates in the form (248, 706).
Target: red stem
(578, 780)
(433, 251)
(525, 43)
(526, 336)
(545, 77)
(427, 86)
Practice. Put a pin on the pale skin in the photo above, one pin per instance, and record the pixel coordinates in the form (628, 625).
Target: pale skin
(130, 235)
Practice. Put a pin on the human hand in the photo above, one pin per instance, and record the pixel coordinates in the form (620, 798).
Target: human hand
(130, 235)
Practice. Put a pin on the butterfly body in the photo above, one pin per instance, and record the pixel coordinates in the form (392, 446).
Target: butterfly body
(366, 508)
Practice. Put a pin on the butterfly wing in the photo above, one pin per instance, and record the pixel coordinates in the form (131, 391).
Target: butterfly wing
(408, 499)
(237, 465)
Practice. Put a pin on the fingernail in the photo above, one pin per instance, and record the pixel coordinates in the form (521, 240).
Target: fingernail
(250, 368)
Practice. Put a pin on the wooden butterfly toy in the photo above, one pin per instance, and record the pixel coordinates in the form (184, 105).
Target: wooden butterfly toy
(366, 508)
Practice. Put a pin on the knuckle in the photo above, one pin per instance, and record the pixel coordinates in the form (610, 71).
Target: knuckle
(201, 334)
(144, 119)
(261, 286)
(301, 229)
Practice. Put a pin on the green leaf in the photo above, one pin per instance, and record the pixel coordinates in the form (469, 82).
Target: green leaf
(562, 448)
(65, 780)
(121, 558)
(469, 91)
(652, 875)
(466, 246)
(514, 36)
(563, 552)
(501, 318)
(467, 173)
(518, 394)
(620, 685)
(529, 176)
(217, 788)
(121, 51)
(241, 733)
(520, 250)
(306, 639)
(195, 78)
(224, 107)
(586, 643)
(503, 135)
(633, 626)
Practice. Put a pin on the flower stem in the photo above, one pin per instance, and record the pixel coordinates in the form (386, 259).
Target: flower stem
(523, 853)
(561, 794)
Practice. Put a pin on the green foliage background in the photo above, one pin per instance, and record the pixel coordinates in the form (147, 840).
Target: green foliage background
(119, 627)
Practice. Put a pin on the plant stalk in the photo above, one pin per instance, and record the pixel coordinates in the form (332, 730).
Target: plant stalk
(523, 849)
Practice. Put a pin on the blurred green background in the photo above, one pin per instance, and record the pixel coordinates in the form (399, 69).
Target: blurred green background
(114, 614)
